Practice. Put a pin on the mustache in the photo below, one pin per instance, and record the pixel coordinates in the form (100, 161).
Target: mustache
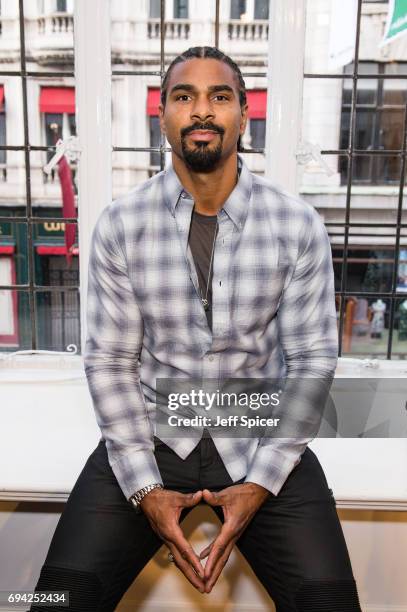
(202, 126)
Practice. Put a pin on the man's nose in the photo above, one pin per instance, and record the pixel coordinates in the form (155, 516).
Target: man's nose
(202, 110)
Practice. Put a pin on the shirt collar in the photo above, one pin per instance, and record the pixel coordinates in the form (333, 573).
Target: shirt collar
(236, 205)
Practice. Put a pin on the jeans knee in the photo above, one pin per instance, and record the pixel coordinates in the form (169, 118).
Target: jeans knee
(327, 596)
(84, 588)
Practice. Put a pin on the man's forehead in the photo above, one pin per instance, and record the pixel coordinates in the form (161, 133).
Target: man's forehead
(210, 72)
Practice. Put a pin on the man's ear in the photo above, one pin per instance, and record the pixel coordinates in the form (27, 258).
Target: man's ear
(243, 120)
(161, 117)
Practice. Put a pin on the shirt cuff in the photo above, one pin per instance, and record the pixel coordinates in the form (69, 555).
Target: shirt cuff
(270, 468)
(135, 471)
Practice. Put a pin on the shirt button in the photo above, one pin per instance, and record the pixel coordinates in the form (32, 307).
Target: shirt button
(211, 358)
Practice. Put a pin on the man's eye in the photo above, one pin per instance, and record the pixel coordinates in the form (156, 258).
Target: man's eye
(187, 96)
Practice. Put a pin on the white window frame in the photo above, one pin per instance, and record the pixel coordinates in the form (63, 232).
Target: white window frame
(93, 114)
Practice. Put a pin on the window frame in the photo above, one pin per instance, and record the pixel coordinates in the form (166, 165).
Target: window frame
(93, 76)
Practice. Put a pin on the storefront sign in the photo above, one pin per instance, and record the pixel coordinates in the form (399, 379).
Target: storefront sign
(396, 21)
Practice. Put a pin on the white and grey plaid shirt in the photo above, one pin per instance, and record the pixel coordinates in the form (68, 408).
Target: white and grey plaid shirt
(273, 315)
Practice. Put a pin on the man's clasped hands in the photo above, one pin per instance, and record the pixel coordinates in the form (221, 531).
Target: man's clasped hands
(239, 504)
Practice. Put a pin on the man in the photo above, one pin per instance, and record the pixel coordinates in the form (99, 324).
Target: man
(204, 271)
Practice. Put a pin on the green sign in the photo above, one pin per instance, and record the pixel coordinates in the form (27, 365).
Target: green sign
(50, 229)
(396, 21)
(5, 229)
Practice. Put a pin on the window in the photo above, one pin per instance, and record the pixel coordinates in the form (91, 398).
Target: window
(39, 297)
(154, 9)
(257, 103)
(364, 203)
(61, 6)
(58, 125)
(380, 109)
(261, 9)
(237, 8)
(53, 130)
(155, 139)
(258, 133)
(58, 106)
(60, 324)
(180, 9)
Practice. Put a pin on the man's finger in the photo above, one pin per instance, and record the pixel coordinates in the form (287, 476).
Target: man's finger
(213, 498)
(205, 552)
(190, 499)
(218, 548)
(210, 583)
(187, 569)
(186, 551)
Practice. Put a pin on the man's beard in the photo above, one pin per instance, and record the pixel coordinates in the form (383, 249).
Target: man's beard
(202, 158)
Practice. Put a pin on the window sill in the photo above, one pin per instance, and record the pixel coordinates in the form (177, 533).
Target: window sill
(386, 190)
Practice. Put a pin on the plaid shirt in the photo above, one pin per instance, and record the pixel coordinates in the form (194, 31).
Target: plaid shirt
(273, 315)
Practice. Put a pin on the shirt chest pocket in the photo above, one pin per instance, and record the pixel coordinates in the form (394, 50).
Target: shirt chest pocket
(258, 290)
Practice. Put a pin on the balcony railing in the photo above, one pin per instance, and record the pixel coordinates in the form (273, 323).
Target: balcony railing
(253, 30)
(174, 29)
(180, 29)
(56, 23)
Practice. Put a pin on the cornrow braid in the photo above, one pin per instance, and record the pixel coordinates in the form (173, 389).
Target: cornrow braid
(212, 53)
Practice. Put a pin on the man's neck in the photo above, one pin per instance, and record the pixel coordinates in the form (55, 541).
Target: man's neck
(210, 190)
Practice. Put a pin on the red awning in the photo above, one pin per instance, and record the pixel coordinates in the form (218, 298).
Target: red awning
(257, 101)
(7, 249)
(55, 250)
(153, 100)
(1, 98)
(57, 100)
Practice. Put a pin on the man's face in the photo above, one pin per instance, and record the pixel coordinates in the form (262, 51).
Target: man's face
(202, 118)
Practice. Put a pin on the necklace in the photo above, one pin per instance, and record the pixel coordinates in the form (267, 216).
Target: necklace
(204, 300)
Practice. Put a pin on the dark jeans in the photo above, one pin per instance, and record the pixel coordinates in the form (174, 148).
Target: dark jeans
(294, 543)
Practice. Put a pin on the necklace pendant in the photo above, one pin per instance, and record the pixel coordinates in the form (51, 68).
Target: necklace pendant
(205, 303)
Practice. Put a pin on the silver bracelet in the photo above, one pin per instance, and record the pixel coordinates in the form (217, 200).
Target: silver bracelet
(139, 495)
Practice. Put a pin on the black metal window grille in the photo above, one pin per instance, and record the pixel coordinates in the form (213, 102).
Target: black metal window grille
(351, 152)
(32, 293)
(344, 258)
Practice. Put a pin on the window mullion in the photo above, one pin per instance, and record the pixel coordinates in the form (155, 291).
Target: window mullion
(93, 105)
(284, 91)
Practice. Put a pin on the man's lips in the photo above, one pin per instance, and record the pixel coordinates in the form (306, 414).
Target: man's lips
(202, 135)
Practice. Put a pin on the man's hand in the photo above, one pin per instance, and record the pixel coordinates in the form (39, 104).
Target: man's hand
(239, 504)
(163, 508)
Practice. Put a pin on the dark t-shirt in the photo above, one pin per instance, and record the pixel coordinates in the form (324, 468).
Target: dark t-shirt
(201, 237)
